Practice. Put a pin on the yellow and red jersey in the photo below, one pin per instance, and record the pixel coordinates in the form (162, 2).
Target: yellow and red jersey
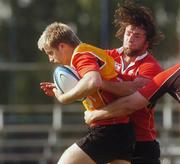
(89, 58)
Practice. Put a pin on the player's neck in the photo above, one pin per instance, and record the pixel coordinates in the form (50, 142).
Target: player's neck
(132, 58)
(128, 59)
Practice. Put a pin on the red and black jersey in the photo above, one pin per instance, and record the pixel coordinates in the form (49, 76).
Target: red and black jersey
(167, 81)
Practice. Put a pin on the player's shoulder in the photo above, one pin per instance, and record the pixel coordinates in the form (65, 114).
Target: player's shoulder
(150, 62)
(80, 51)
(115, 51)
(84, 47)
(85, 52)
(150, 59)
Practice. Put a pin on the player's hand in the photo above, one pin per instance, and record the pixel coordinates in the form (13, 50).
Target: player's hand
(47, 87)
(89, 116)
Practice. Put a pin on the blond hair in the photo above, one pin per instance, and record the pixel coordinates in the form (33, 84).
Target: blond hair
(56, 33)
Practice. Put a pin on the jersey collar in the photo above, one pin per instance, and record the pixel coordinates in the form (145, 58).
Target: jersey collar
(138, 58)
(120, 51)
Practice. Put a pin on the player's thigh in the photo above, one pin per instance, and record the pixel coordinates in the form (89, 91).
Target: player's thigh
(120, 162)
(74, 155)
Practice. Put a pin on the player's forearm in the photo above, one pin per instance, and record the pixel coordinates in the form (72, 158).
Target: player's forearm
(126, 105)
(110, 111)
(85, 87)
(119, 88)
(124, 88)
(119, 108)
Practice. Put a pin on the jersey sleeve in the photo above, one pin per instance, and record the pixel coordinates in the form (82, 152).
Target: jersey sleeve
(160, 84)
(84, 63)
(148, 90)
(112, 53)
(149, 70)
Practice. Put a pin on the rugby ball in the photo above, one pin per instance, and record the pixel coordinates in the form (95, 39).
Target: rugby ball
(65, 78)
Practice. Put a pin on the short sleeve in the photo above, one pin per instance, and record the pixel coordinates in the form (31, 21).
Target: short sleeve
(85, 62)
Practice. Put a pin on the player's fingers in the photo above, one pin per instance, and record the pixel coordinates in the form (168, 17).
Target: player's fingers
(49, 94)
(44, 84)
(86, 117)
(51, 86)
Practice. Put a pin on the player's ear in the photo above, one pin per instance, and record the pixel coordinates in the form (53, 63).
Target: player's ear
(62, 45)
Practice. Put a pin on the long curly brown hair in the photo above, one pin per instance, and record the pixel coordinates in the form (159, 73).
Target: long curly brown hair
(141, 16)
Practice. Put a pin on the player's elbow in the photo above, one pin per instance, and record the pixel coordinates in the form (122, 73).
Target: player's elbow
(94, 83)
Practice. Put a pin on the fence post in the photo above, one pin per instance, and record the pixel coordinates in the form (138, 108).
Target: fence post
(1, 118)
(167, 114)
(57, 117)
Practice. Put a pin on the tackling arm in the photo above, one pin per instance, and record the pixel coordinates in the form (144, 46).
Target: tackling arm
(124, 88)
(121, 107)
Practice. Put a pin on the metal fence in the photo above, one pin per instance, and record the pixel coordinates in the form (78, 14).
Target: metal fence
(40, 133)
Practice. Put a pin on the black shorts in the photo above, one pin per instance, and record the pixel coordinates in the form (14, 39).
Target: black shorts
(146, 152)
(106, 143)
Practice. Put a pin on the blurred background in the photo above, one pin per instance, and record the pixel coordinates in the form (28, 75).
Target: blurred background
(34, 128)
